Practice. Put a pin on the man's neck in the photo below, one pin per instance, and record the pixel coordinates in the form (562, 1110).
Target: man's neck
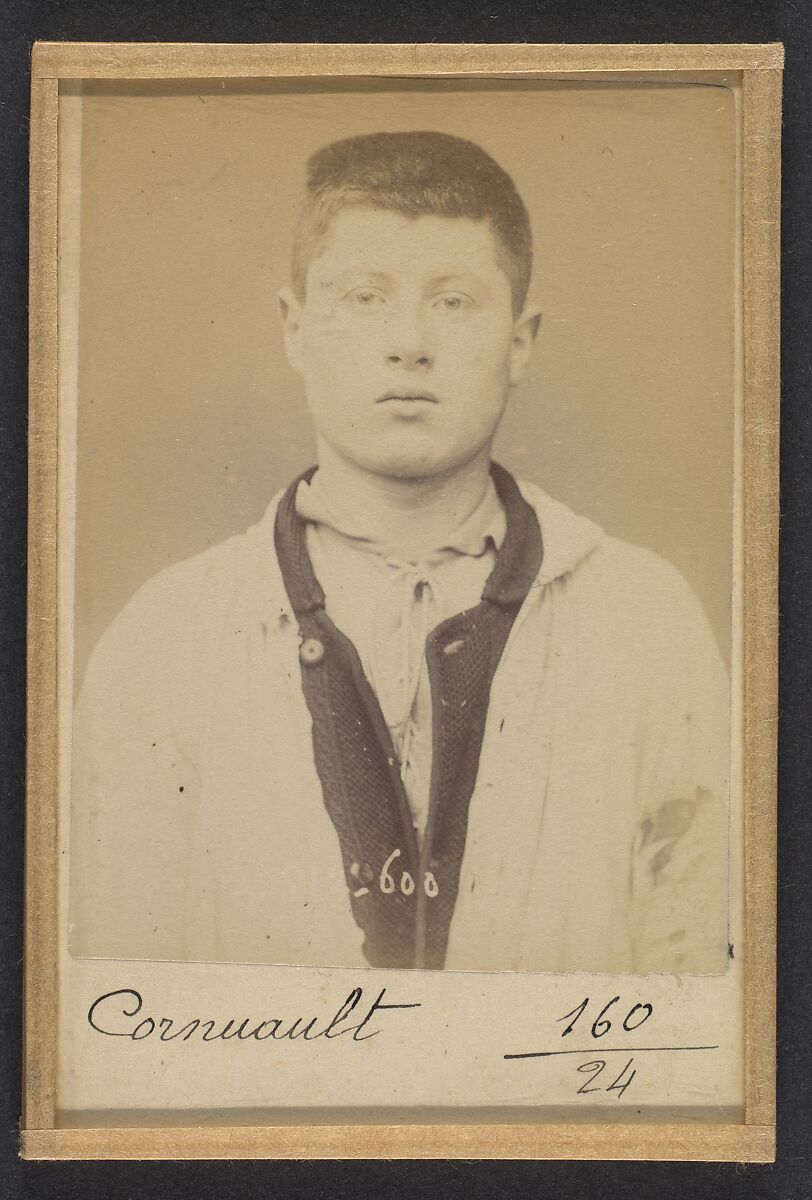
(411, 516)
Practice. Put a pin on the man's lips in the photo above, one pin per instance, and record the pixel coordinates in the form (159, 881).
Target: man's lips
(403, 394)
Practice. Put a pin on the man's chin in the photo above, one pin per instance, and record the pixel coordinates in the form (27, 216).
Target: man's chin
(407, 469)
(416, 470)
(409, 459)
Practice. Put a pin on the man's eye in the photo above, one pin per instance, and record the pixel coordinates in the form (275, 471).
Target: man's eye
(365, 297)
(453, 303)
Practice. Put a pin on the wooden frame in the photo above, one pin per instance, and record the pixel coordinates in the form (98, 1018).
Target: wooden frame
(760, 68)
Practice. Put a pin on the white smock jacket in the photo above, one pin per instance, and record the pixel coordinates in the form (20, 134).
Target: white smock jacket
(597, 830)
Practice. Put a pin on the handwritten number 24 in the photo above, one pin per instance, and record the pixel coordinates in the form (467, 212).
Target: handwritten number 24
(593, 1069)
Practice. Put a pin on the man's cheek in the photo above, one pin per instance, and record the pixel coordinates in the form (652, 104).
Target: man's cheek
(477, 352)
(347, 344)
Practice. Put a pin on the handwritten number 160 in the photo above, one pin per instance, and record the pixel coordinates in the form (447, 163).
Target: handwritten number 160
(634, 1018)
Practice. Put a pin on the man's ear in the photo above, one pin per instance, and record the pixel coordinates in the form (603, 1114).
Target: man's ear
(525, 331)
(290, 311)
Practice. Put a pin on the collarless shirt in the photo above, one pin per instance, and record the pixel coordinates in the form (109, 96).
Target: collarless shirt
(387, 605)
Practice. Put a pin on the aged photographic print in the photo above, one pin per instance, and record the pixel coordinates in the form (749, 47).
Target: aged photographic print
(402, 620)
(422, 710)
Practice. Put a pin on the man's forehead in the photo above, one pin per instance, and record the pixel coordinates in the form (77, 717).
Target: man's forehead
(357, 236)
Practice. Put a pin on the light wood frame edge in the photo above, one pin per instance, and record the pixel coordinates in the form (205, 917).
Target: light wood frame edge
(761, 313)
(144, 60)
(755, 1139)
(40, 938)
(731, 1143)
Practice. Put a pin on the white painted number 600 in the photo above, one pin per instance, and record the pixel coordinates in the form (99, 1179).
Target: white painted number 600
(387, 883)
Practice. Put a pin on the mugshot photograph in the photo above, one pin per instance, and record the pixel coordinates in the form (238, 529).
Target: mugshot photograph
(421, 714)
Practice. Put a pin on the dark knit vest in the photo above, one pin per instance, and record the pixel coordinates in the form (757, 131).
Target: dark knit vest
(402, 896)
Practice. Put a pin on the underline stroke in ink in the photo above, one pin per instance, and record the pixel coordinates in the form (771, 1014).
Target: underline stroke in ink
(605, 1050)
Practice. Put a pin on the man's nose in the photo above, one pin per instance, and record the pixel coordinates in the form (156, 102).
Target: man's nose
(409, 342)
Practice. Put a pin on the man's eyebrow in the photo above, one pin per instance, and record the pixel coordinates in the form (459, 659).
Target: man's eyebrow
(377, 277)
(439, 280)
(384, 279)
(455, 277)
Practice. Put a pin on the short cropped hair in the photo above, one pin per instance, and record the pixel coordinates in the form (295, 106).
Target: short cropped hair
(416, 174)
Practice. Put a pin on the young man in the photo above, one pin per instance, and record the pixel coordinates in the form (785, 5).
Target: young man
(421, 715)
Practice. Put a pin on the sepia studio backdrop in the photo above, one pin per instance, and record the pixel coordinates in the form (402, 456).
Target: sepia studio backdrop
(189, 418)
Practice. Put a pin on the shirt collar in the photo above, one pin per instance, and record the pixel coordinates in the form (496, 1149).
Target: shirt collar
(485, 526)
(517, 564)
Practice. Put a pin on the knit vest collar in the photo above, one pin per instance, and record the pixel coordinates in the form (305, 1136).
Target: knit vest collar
(517, 562)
